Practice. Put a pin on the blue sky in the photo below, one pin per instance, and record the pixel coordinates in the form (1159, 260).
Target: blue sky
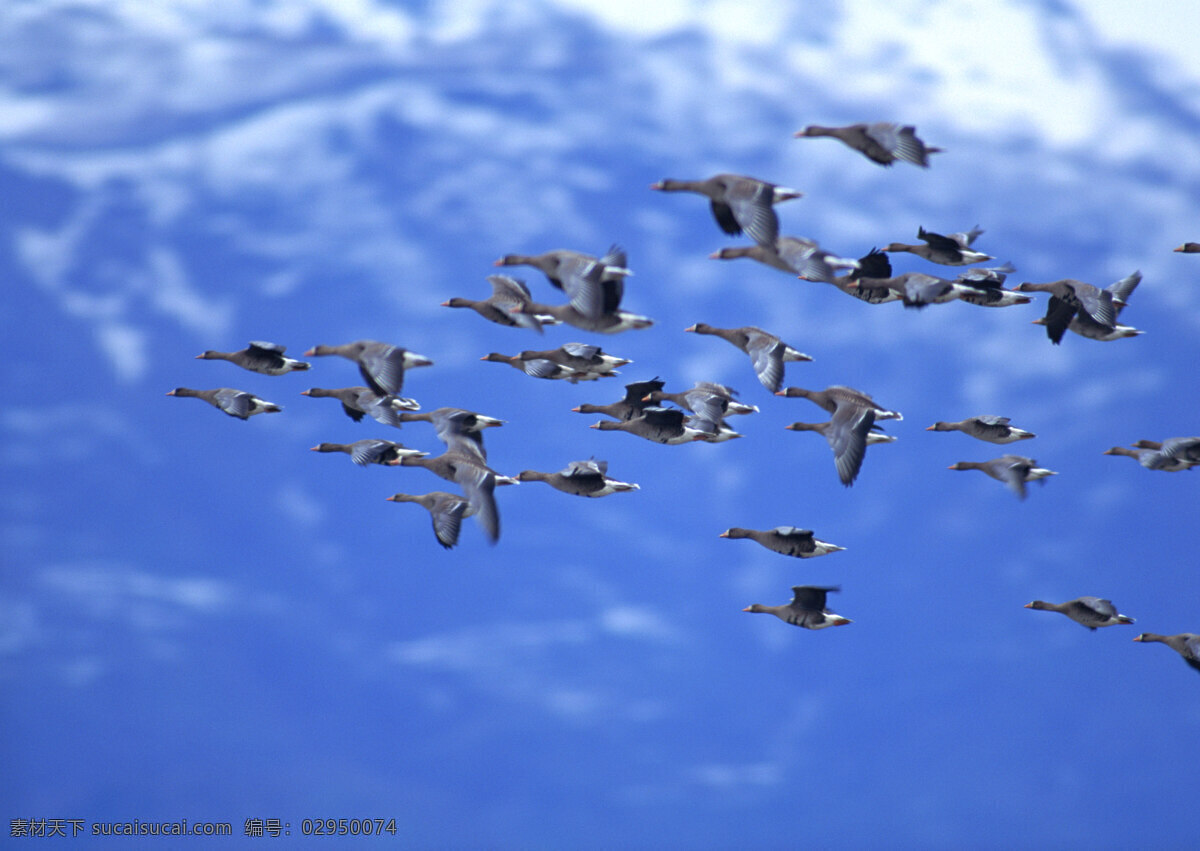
(202, 619)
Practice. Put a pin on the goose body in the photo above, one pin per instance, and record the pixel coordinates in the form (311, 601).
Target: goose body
(807, 608)
(236, 403)
(1013, 470)
(831, 397)
(580, 478)
(952, 250)
(1185, 449)
(539, 367)
(989, 428)
(785, 540)
(739, 203)
(506, 305)
(261, 357)
(581, 357)
(458, 428)
(882, 142)
(446, 510)
(660, 425)
(767, 352)
(359, 401)
(1188, 248)
(848, 434)
(795, 255)
(381, 365)
(370, 451)
(1069, 297)
(477, 480)
(1092, 612)
(630, 406)
(1154, 459)
(1186, 644)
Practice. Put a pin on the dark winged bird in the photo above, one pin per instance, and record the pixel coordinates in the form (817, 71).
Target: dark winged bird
(259, 356)
(236, 403)
(1092, 612)
(370, 450)
(739, 203)
(952, 250)
(796, 255)
(807, 608)
(633, 403)
(359, 401)
(1186, 644)
(382, 365)
(1069, 297)
(506, 305)
(458, 428)
(767, 352)
(446, 509)
(882, 141)
(989, 428)
(580, 478)
(477, 480)
(1013, 470)
(785, 540)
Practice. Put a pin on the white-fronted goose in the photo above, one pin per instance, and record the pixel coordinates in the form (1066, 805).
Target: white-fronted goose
(236, 403)
(1068, 297)
(1186, 644)
(382, 365)
(360, 401)
(1182, 448)
(572, 271)
(581, 357)
(1092, 612)
(989, 428)
(1013, 470)
(832, 397)
(882, 141)
(806, 610)
(873, 264)
(477, 480)
(875, 436)
(629, 407)
(983, 287)
(259, 356)
(580, 478)
(738, 203)
(951, 250)
(785, 540)
(914, 289)
(767, 352)
(458, 428)
(1081, 323)
(609, 323)
(796, 255)
(539, 367)
(370, 450)
(660, 425)
(446, 509)
(848, 433)
(506, 305)
(1189, 248)
(707, 399)
(1153, 459)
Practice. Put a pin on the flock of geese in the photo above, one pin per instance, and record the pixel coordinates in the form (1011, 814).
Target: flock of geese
(594, 288)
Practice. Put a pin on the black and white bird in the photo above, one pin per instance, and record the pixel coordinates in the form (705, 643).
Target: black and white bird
(807, 608)
(236, 403)
(785, 540)
(1092, 612)
(261, 357)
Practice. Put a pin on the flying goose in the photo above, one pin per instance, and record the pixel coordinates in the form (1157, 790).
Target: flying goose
(807, 608)
(738, 203)
(785, 540)
(446, 509)
(458, 428)
(506, 305)
(259, 356)
(580, 478)
(370, 450)
(236, 403)
(989, 428)
(382, 365)
(1186, 644)
(1092, 612)
(360, 401)
(882, 141)
(952, 250)
(1069, 297)
(630, 406)
(1013, 470)
(767, 352)
(831, 397)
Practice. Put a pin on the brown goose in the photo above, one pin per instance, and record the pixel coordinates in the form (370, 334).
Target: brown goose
(477, 480)
(989, 428)
(832, 397)
(1184, 448)
(914, 289)
(538, 367)
(1092, 612)
(712, 401)
(446, 509)
(848, 433)
(1154, 459)
(360, 401)
(580, 478)
(236, 403)
(767, 352)
(785, 540)
(582, 357)
(738, 203)
(1068, 297)
(1189, 248)
(259, 356)
(1081, 323)
(457, 428)
(882, 141)
(952, 250)
(370, 451)
(506, 305)
(807, 608)
(793, 254)
(382, 365)
(1013, 470)
(873, 264)
(1186, 644)
(630, 406)
(568, 270)
(660, 425)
